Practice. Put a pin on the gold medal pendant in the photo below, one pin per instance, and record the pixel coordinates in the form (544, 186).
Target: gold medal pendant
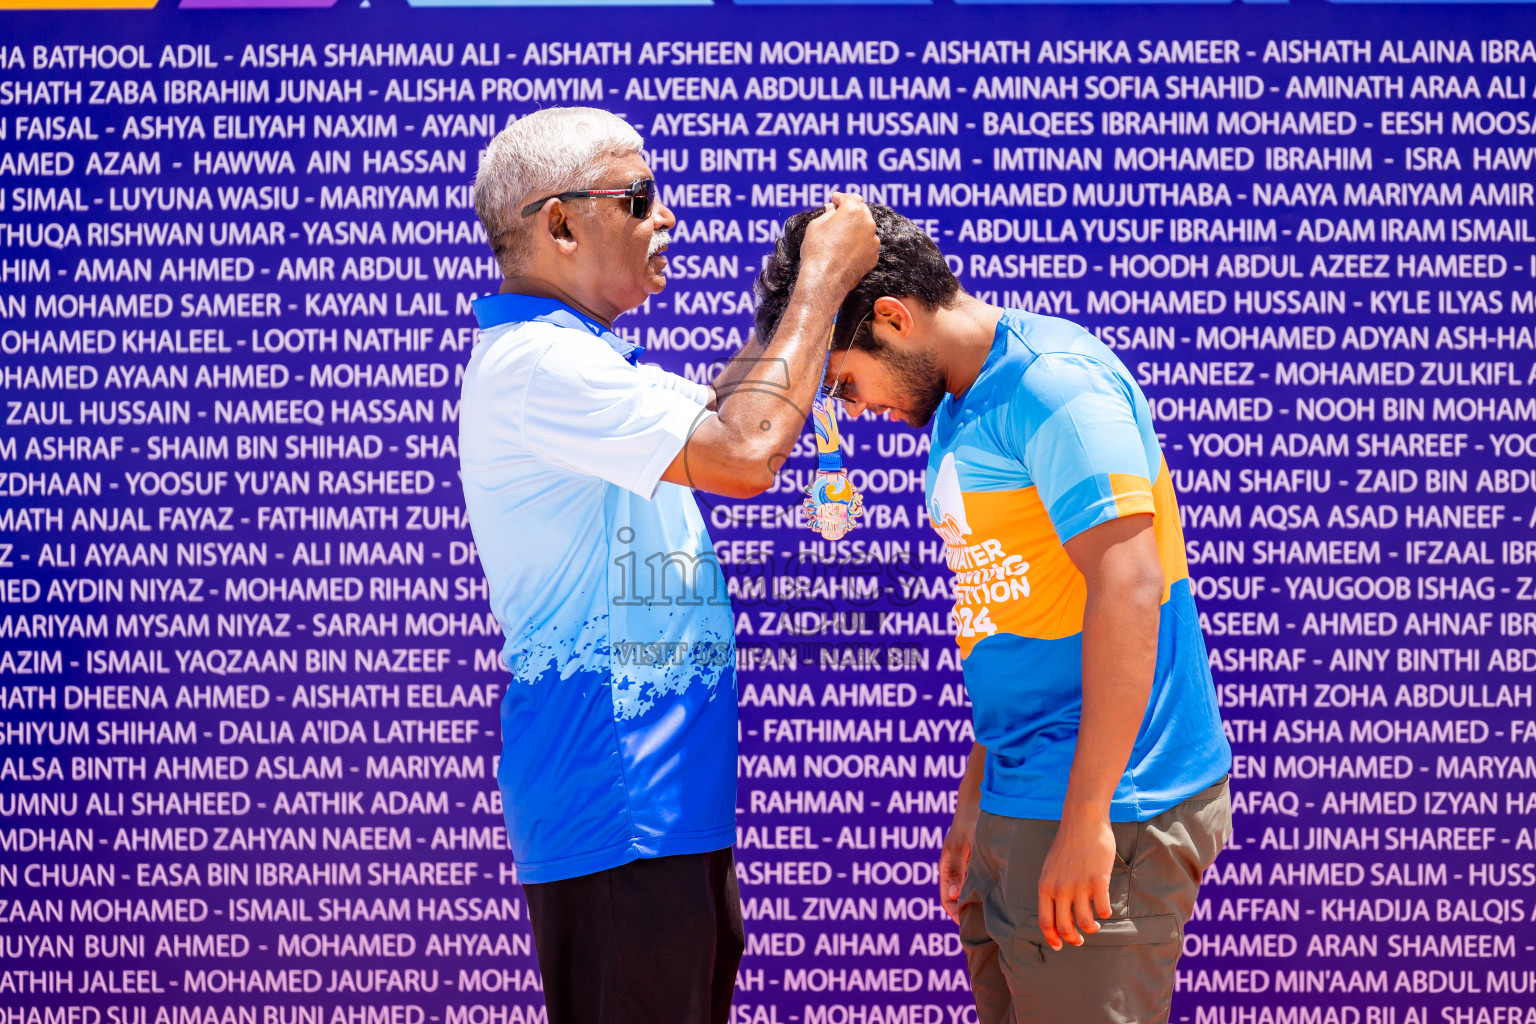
(832, 506)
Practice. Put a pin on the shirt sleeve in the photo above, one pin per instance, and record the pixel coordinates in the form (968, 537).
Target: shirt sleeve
(1075, 423)
(699, 393)
(589, 411)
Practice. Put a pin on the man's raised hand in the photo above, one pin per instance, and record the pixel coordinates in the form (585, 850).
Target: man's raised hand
(840, 245)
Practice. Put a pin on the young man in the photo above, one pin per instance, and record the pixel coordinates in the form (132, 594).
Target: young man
(1096, 793)
(618, 768)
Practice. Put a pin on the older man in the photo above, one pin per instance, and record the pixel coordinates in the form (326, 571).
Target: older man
(618, 768)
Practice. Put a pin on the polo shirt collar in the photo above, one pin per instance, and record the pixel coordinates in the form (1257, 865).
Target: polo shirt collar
(509, 307)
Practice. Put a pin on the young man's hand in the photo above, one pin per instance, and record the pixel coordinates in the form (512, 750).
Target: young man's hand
(954, 858)
(1074, 883)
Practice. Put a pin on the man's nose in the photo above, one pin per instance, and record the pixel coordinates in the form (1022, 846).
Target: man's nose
(665, 219)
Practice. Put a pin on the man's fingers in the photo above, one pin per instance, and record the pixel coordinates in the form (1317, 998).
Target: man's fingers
(1074, 882)
(1082, 909)
(1048, 921)
(945, 899)
(842, 240)
(1065, 925)
(954, 878)
(950, 901)
(838, 200)
(1065, 917)
(1101, 900)
(952, 865)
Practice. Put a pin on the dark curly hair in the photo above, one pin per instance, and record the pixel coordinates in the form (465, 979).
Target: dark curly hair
(909, 264)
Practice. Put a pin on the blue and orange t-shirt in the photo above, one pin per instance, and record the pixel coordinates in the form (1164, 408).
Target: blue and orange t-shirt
(1054, 437)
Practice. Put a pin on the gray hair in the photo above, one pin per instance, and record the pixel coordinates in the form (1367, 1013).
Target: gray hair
(558, 149)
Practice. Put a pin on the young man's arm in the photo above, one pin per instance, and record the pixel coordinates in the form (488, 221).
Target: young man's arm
(1124, 575)
(956, 854)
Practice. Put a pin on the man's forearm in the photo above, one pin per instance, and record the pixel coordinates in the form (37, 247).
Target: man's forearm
(763, 407)
(733, 372)
(1119, 658)
(969, 795)
(778, 384)
(1123, 577)
(956, 852)
(762, 401)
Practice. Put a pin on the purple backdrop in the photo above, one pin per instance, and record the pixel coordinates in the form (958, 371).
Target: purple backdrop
(247, 675)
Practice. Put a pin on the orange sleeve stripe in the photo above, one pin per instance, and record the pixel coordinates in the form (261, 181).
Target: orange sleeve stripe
(1170, 532)
(1133, 494)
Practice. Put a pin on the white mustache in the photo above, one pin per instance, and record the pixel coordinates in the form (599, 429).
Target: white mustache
(659, 241)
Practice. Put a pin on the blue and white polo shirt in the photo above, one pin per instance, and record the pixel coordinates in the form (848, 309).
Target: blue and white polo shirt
(619, 727)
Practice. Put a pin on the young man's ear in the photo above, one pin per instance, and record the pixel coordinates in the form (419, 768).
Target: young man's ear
(894, 316)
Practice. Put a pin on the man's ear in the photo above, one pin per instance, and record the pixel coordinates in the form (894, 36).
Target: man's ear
(894, 315)
(555, 227)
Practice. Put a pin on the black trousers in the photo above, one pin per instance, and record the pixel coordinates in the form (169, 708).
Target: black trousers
(655, 941)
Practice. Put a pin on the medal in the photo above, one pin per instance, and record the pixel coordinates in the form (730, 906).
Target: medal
(831, 504)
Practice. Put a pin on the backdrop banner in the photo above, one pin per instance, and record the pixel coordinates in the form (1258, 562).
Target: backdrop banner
(248, 675)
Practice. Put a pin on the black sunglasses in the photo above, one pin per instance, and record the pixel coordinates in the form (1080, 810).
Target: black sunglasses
(641, 194)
